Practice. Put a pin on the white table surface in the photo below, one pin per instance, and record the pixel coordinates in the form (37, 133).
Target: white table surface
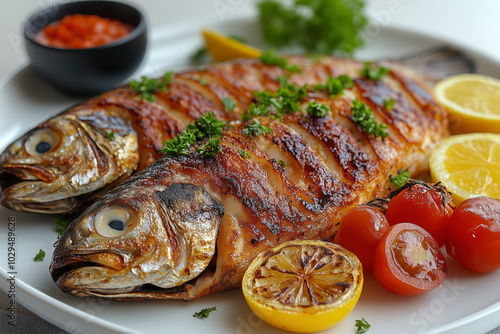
(474, 24)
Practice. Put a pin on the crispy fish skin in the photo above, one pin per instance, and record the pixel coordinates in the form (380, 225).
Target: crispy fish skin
(82, 162)
(330, 165)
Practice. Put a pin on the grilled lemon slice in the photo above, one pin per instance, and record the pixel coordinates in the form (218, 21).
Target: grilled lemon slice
(303, 285)
(468, 165)
(473, 101)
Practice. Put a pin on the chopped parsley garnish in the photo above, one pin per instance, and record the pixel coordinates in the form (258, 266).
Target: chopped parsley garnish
(210, 149)
(363, 117)
(319, 26)
(229, 104)
(285, 100)
(199, 55)
(374, 73)
(110, 135)
(61, 226)
(362, 326)
(255, 128)
(203, 82)
(335, 86)
(401, 178)
(40, 256)
(315, 109)
(204, 313)
(147, 86)
(244, 154)
(282, 163)
(389, 104)
(255, 111)
(271, 58)
(57, 241)
(205, 127)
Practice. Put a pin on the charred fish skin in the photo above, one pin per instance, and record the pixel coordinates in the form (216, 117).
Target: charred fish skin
(295, 182)
(66, 179)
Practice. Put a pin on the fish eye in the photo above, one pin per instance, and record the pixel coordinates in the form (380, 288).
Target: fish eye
(42, 141)
(112, 222)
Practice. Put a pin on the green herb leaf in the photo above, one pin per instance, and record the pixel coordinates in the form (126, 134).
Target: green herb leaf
(285, 100)
(256, 129)
(319, 26)
(61, 226)
(317, 109)
(57, 241)
(335, 86)
(401, 178)
(374, 73)
(389, 104)
(362, 326)
(204, 313)
(254, 111)
(199, 55)
(147, 86)
(244, 154)
(363, 117)
(282, 163)
(203, 82)
(40, 256)
(229, 104)
(210, 149)
(270, 57)
(206, 126)
(110, 135)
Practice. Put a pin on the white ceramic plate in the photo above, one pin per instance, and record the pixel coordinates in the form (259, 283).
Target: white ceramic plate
(465, 303)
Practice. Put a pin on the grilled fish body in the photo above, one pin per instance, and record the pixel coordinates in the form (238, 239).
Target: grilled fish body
(70, 160)
(188, 226)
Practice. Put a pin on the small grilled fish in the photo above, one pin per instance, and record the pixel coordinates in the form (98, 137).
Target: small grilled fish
(188, 226)
(67, 162)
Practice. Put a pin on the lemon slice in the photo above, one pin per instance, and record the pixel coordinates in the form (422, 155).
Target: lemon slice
(473, 101)
(303, 285)
(468, 165)
(223, 48)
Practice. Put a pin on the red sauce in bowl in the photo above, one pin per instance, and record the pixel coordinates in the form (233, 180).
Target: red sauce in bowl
(82, 31)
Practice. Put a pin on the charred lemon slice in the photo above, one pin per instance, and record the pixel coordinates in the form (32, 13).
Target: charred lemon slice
(468, 165)
(223, 48)
(303, 285)
(473, 101)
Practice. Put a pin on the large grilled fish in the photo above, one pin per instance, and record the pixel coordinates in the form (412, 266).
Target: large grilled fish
(188, 226)
(68, 161)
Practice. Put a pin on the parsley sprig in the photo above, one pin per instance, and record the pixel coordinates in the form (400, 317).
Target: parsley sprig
(389, 104)
(400, 178)
(229, 104)
(39, 256)
(335, 86)
(204, 313)
(148, 86)
(315, 109)
(362, 115)
(255, 129)
(244, 154)
(285, 100)
(205, 127)
(270, 57)
(374, 73)
(362, 326)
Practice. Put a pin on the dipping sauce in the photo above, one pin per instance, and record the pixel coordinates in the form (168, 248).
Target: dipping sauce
(82, 31)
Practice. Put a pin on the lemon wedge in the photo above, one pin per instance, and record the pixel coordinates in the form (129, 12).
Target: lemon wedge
(473, 102)
(303, 285)
(468, 165)
(223, 48)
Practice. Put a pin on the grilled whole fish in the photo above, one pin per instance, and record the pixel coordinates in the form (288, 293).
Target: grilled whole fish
(188, 226)
(68, 161)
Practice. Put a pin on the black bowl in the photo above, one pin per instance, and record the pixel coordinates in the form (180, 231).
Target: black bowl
(93, 70)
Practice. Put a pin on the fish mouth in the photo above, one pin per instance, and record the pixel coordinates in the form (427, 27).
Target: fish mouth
(66, 264)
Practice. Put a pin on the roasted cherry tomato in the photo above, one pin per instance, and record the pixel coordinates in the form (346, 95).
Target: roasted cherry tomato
(360, 231)
(424, 205)
(408, 260)
(474, 234)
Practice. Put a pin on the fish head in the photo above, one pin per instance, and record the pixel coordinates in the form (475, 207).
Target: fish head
(67, 156)
(138, 237)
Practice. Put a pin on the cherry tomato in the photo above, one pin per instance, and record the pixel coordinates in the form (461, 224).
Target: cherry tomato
(474, 234)
(408, 260)
(360, 231)
(421, 205)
